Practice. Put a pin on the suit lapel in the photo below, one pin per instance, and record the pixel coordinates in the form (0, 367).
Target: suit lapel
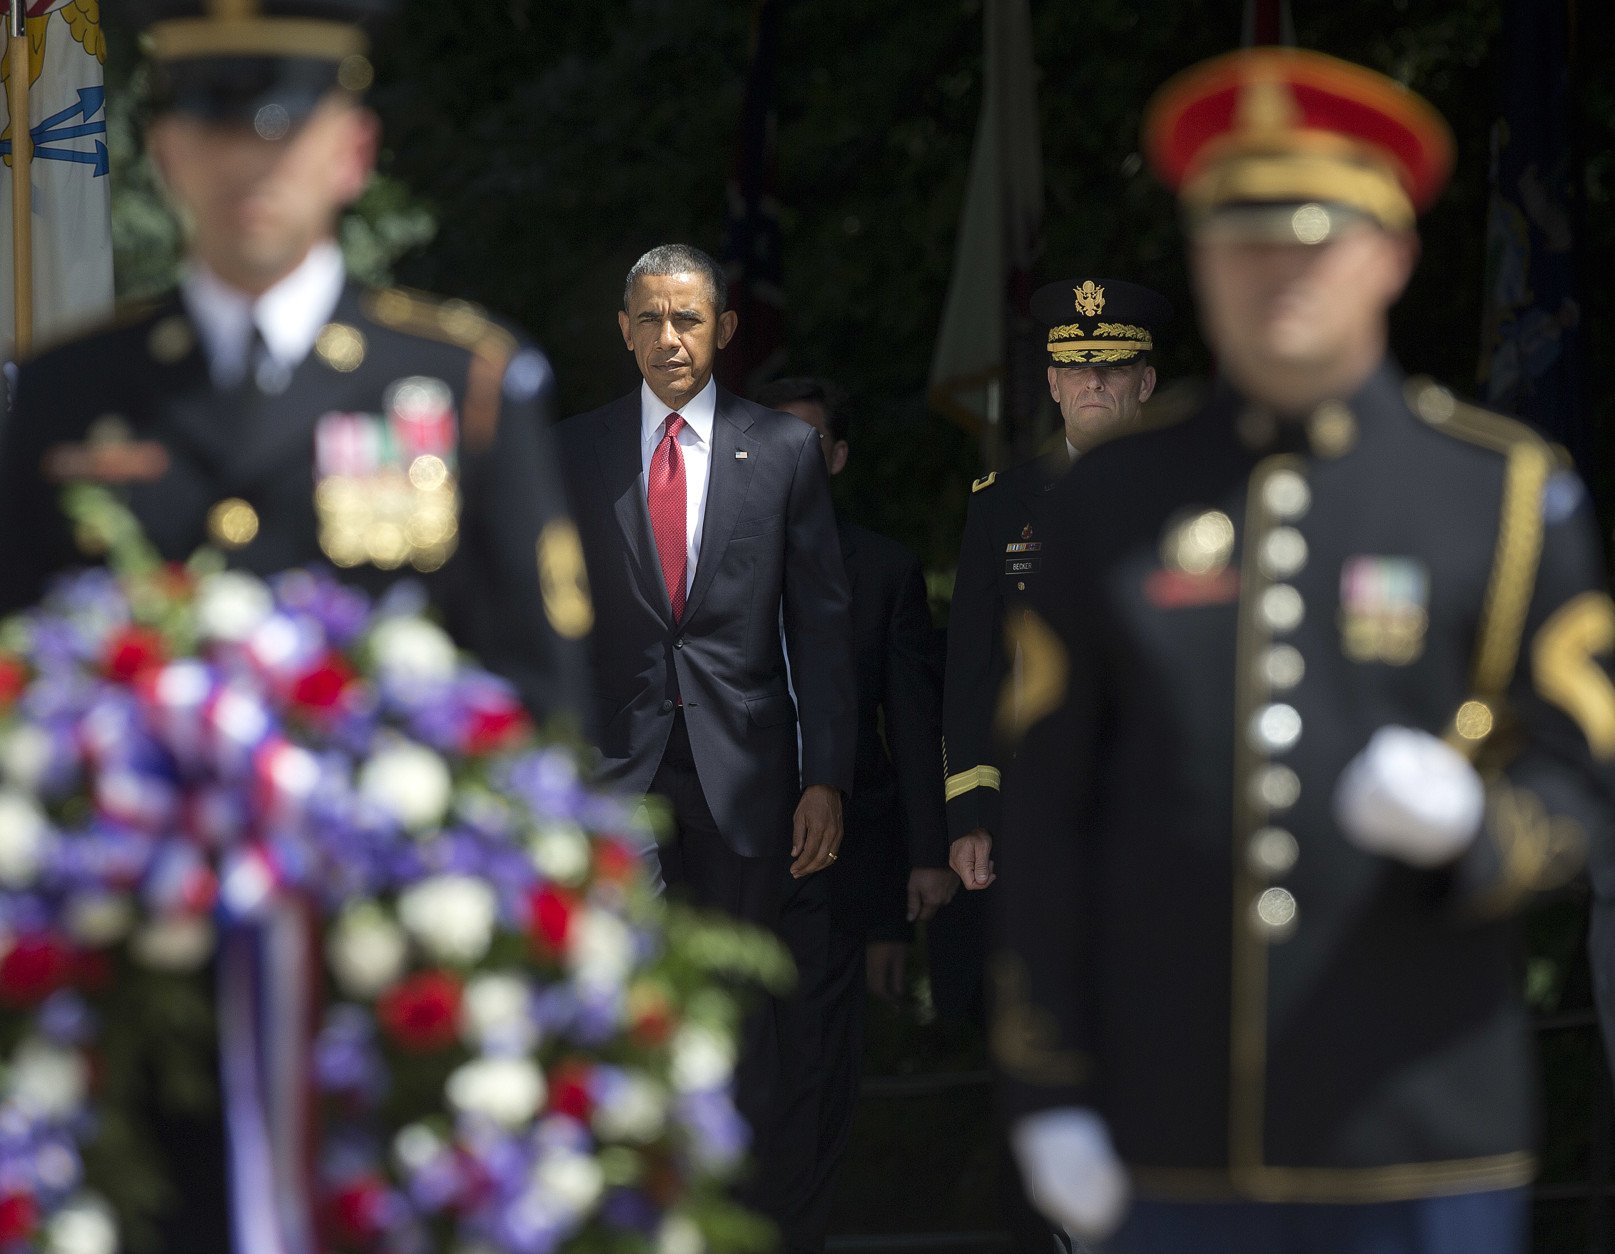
(618, 451)
(728, 481)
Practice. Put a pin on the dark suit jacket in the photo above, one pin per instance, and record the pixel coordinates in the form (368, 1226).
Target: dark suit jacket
(894, 819)
(769, 583)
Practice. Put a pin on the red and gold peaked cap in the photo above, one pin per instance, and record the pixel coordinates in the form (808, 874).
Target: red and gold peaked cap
(1289, 126)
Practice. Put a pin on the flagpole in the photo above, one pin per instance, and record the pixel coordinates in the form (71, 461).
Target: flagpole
(22, 159)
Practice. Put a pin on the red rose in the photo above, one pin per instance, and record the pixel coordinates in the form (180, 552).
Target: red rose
(322, 688)
(133, 652)
(13, 679)
(551, 917)
(33, 969)
(354, 1213)
(614, 861)
(422, 1013)
(19, 1216)
(495, 726)
(569, 1091)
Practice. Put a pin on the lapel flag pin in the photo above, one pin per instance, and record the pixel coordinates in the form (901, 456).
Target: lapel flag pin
(740, 454)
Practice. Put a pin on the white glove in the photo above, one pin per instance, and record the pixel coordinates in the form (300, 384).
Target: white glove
(1071, 1171)
(1409, 795)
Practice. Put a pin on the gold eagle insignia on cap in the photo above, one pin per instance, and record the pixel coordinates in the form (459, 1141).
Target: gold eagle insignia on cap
(1090, 302)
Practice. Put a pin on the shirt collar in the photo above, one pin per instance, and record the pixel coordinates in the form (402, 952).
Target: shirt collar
(288, 316)
(699, 414)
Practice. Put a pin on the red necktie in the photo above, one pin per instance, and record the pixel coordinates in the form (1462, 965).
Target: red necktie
(668, 504)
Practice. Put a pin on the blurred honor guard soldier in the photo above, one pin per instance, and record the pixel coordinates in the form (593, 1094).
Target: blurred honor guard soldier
(893, 869)
(723, 666)
(1100, 336)
(1316, 694)
(279, 411)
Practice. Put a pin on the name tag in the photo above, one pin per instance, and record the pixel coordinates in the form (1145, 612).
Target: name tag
(1022, 565)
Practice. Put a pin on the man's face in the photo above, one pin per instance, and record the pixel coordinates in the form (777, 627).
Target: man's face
(255, 206)
(1277, 310)
(812, 413)
(674, 330)
(1094, 399)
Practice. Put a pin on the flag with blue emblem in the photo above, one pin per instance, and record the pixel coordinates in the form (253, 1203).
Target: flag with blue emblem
(72, 210)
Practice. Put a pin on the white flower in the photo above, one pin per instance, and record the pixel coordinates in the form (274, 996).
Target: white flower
(561, 852)
(702, 1058)
(452, 916)
(412, 650)
(47, 1081)
(98, 918)
(416, 1147)
(600, 950)
(569, 1180)
(24, 838)
(230, 605)
(84, 1225)
(409, 782)
(25, 754)
(678, 1234)
(637, 1111)
(509, 1091)
(496, 1012)
(181, 943)
(366, 950)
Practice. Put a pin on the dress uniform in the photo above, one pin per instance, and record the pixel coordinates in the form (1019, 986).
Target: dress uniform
(381, 434)
(1203, 955)
(1091, 322)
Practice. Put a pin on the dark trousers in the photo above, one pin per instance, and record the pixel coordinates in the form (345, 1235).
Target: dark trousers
(1470, 1223)
(786, 1053)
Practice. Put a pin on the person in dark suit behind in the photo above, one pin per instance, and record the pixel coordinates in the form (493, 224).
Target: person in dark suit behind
(894, 869)
(291, 417)
(715, 565)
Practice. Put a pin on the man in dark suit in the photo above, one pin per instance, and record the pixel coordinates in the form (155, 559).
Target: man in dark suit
(893, 871)
(723, 666)
(1316, 697)
(288, 416)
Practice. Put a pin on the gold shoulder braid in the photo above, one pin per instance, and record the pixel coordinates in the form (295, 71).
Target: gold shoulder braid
(1023, 1036)
(455, 322)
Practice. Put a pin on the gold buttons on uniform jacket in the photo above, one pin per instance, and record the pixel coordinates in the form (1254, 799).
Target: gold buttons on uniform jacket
(1275, 788)
(1276, 728)
(340, 347)
(1273, 851)
(232, 523)
(1282, 667)
(1275, 913)
(1332, 430)
(1282, 608)
(1286, 495)
(170, 340)
(1474, 720)
(1283, 553)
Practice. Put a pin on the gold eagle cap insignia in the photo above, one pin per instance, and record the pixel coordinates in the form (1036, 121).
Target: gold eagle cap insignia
(1090, 299)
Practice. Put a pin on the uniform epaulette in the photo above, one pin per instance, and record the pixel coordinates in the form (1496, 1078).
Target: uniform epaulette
(986, 481)
(1529, 461)
(127, 313)
(1445, 412)
(454, 322)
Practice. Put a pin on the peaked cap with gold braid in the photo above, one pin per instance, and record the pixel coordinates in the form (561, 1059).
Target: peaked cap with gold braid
(267, 63)
(1099, 322)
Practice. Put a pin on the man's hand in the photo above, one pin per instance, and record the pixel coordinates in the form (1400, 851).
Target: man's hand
(816, 829)
(971, 857)
(929, 889)
(886, 969)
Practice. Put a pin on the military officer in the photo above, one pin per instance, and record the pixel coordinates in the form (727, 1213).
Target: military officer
(281, 411)
(1101, 333)
(278, 410)
(1316, 693)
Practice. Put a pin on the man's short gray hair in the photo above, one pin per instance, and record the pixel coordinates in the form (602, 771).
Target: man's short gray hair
(667, 259)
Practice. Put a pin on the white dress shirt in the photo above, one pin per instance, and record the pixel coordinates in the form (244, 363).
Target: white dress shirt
(288, 316)
(695, 444)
